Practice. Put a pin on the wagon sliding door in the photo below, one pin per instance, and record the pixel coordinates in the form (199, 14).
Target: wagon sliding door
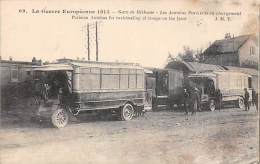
(175, 85)
(162, 92)
(162, 83)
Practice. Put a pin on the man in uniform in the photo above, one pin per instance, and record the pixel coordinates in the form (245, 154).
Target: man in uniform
(218, 99)
(246, 99)
(199, 99)
(194, 100)
(253, 97)
(186, 101)
(256, 101)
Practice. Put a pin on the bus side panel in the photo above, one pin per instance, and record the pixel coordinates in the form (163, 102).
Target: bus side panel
(109, 99)
(102, 88)
(232, 85)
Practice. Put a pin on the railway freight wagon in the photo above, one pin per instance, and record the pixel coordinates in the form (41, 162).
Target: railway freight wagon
(85, 87)
(150, 86)
(230, 83)
(168, 88)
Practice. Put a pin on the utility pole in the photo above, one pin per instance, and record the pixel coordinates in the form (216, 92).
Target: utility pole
(96, 42)
(88, 42)
(91, 32)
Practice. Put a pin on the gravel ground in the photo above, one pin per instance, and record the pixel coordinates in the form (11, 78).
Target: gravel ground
(163, 137)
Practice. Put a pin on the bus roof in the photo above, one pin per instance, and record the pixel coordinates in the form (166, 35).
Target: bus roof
(107, 65)
(54, 67)
(69, 66)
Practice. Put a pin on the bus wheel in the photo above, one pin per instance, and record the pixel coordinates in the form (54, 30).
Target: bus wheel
(212, 105)
(60, 118)
(127, 112)
(240, 103)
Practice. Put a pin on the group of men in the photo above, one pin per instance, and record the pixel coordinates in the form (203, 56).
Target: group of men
(192, 100)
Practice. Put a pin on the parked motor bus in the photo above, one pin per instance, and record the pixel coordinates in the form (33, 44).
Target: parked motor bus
(230, 83)
(88, 86)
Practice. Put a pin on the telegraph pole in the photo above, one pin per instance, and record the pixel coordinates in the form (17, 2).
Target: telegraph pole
(91, 32)
(88, 42)
(96, 42)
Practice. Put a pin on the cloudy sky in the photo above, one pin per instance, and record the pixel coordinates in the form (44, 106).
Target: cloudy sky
(52, 36)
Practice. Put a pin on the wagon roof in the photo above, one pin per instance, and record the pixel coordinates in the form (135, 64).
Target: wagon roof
(193, 66)
(208, 74)
(249, 71)
(147, 71)
(215, 73)
(231, 72)
(200, 67)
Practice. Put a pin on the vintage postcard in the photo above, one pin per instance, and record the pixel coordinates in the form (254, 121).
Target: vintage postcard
(129, 82)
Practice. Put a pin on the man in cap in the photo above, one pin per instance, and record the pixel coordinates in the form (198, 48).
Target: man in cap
(218, 98)
(194, 100)
(246, 100)
(186, 101)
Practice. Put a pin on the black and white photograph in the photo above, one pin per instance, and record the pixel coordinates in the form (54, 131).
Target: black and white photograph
(129, 82)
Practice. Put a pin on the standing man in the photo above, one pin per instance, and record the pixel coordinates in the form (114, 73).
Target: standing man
(199, 99)
(194, 100)
(246, 99)
(218, 98)
(256, 101)
(253, 97)
(186, 101)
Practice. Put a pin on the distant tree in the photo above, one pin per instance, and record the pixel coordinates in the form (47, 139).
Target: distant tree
(34, 60)
(199, 56)
(187, 54)
(39, 62)
(46, 62)
(169, 58)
